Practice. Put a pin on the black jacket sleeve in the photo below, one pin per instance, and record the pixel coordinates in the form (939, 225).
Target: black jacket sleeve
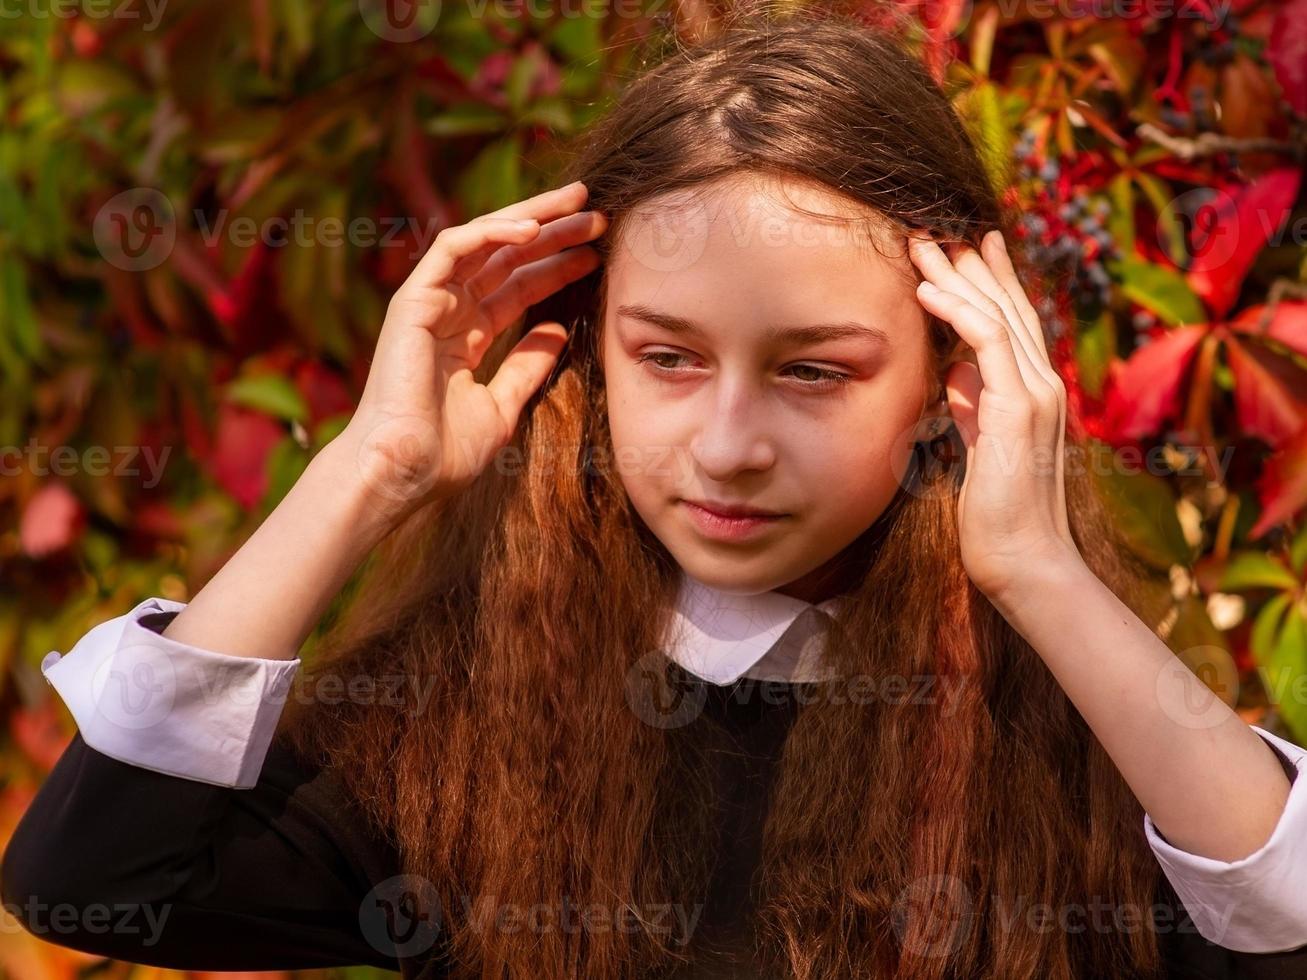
(149, 868)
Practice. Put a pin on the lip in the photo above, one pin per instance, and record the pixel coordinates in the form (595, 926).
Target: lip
(732, 510)
(724, 527)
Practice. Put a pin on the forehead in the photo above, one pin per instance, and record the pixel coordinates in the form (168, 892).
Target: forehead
(752, 246)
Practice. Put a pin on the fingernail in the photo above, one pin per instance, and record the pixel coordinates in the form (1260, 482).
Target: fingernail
(928, 288)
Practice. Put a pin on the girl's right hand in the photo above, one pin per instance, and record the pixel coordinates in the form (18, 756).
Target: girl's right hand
(424, 428)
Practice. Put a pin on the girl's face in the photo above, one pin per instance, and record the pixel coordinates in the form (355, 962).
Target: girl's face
(758, 357)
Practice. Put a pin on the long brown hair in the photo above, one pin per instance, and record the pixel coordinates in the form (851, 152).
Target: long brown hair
(516, 772)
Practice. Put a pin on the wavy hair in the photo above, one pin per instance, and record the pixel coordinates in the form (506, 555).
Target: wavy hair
(525, 606)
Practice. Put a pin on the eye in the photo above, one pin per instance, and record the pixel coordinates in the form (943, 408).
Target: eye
(649, 359)
(824, 378)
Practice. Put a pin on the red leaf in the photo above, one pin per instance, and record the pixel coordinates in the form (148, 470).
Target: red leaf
(240, 455)
(1287, 53)
(409, 169)
(39, 733)
(246, 307)
(1264, 393)
(1288, 324)
(1144, 392)
(156, 519)
(51, 521)
(1282, 487)
(1237, 226)
(199, 442)
(87, 42)
(323, 389)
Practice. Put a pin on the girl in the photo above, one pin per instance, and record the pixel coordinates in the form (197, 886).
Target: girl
(699, 648)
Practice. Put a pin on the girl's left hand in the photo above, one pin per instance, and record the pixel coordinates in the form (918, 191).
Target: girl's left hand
(1010, 408)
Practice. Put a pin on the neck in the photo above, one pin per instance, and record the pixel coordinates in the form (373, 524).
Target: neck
(837, 576)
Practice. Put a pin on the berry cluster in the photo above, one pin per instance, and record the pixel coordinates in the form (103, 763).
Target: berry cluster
(1065, 229)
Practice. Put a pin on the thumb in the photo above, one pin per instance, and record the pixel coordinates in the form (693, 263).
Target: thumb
(964, 385)
(526, 367)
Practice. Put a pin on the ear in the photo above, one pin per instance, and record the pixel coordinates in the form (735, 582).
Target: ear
(961, 351)
(964, 387)
(939, 406)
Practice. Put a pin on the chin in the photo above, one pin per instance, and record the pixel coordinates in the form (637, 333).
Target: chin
(736, 578)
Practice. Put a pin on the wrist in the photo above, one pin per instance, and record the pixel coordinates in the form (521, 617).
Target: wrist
(373, 511)
(1041, 576)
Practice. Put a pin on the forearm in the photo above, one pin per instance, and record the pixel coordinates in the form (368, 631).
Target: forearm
(1210, 783)
(267, 598)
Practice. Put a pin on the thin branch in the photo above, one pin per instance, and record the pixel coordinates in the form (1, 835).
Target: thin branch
(1210, 144)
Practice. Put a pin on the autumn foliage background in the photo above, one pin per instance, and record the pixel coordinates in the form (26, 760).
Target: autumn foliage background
(153, 410)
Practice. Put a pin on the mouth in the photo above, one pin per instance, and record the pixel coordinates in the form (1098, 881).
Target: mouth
(732, 510)
(725, 522)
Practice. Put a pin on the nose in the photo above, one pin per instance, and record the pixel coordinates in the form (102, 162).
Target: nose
(735, 435)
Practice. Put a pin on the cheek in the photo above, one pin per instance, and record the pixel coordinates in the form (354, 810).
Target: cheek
(861, 474)
(646, 451)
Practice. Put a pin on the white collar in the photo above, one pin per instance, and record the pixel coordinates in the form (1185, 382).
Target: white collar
(721, 637)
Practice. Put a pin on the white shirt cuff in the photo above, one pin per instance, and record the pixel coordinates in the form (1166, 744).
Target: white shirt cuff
(150, 701)
(1256, 904)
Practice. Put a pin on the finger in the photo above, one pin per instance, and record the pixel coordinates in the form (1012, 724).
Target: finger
(459, 242)
(970, 264)
(1001, 263)
(936, 266)
(1032, 331)
(992, 341)
(525, 369)
(575, 229)
(531, 283)
(436, 266)
(545, 206)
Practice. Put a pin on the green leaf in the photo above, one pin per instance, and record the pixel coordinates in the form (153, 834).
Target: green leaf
(470, 117)
(1298, 551)
(20, 340)
(329, 428)
(1144, 508)
(296, 18)
(1095, 348)
(493, 180)
(1261, 639)
(1283, 672)
(577, 39)
(555, 114)
(1202, 648)
(1255, 570)
(1169, 225)
(517, 86)
(241, 135)
(87, 86)
(270, 393)
(1121, 219)
(1162, 290)
(286, 464)
(983, 110)
(464, 40)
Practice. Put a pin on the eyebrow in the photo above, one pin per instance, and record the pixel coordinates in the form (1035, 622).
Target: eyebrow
(811, 333)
